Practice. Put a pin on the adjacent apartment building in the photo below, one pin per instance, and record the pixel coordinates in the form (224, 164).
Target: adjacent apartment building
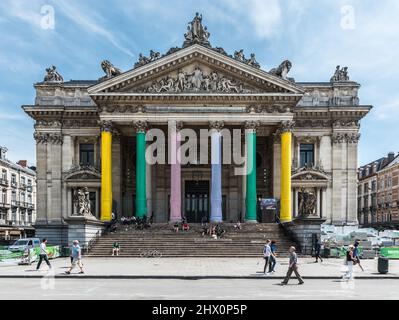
(17, 198)
(378, 196)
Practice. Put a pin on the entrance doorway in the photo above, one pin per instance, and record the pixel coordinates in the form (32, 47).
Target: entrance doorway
(196, 201)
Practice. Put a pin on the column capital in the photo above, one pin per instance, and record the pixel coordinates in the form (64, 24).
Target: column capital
(41, 137)
(251, 125)
(140, 126)
(287, 126)
(106, 126)
(179, 125)
(216, 125)
(116, 135)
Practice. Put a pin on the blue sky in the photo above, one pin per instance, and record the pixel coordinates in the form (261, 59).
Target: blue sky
(315, 35)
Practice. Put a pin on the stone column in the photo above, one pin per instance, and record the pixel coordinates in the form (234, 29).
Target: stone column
(106, 171)
(276, 164)
(116, 173)
(141, 189)
(55, 213)
(216, 166)
(352, 144)
(251, 196)
(338, 210)
(175, 172)
(286, 161)
(41, 177)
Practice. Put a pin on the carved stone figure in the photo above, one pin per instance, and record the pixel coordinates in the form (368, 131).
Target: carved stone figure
(196, 33)
(307, 202)
(252, 61)
(197, 78)
(282, 70)
(196, 81)
(82, 202)
(340, 74)
(109, 69)
(154, 55)
(53, 75)
(239, 55)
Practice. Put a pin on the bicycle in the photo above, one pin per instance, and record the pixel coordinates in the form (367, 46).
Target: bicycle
(150, 254)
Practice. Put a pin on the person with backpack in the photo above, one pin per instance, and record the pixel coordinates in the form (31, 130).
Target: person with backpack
(349, 261)
(267, 252)
(356, 254)
(272, 259)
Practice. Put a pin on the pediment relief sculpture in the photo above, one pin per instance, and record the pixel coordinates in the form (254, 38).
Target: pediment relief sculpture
(83, 172)
(196, 80)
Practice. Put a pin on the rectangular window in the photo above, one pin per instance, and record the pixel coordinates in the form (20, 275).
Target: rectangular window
(4, 175)
(306, 154)
(86, 154)
(373, 185)
(22, 180)
(13, 179)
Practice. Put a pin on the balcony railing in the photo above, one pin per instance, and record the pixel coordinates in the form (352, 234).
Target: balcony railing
(3, 182)
(4, 204)
(29, 188)
(22, 186)
(14, 184)
(31, 206)
(14, 203)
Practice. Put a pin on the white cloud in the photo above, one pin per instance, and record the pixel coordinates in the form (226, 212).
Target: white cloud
(264, 16)
(81, 17)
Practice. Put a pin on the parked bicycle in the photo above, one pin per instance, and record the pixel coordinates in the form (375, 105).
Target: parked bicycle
(150, 254)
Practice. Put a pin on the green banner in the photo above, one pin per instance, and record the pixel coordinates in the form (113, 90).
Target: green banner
(32, 255)
(390, 252)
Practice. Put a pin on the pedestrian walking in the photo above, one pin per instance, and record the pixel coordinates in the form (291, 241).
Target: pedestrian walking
(266, 255)
(349, 261)
(356, 254)
(317, 249)
(77, 257)
(293, 267)
(273, 259)
(43, 255)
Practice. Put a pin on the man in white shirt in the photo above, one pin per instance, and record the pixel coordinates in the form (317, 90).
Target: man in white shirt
(43, 254)
(267, 252)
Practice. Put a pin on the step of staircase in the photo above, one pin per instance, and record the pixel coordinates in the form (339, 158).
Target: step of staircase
(247, 242)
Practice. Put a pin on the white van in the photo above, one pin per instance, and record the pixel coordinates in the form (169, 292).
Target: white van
(23, 244)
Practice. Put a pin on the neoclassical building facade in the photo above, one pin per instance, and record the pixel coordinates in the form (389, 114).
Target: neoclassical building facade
(301, 139)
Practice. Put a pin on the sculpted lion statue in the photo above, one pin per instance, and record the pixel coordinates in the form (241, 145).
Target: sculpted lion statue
(109, 69)
(282, 70)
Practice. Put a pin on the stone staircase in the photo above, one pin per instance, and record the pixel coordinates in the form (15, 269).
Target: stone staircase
(247, 242)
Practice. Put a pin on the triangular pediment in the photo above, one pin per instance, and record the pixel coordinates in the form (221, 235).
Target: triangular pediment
(196, 70)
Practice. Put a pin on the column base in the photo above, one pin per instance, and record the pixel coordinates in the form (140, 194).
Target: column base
(250, 221)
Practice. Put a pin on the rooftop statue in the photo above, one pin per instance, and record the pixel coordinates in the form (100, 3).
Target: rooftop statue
(340, 74)
(282, 70)
(154, 55)
(53, 75)
(109, 69)
(196, 33)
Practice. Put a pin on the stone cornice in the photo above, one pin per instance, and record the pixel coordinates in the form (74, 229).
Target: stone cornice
(186, 98)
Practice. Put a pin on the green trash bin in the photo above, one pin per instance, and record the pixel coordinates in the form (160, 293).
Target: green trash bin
(66, 251)
(383, 264)
(326, 252)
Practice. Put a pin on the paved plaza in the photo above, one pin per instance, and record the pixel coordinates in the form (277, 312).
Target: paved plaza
(204, 289)
(114, 267)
